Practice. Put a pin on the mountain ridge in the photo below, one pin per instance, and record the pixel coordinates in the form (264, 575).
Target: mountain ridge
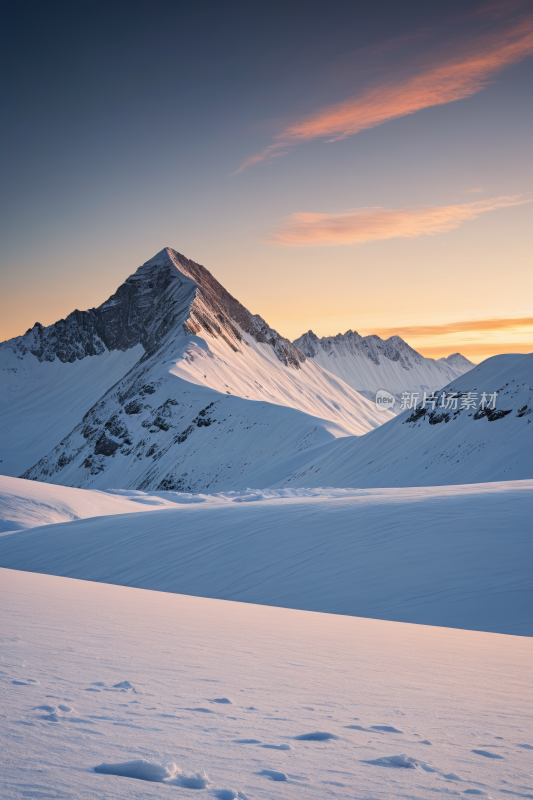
(369, 363)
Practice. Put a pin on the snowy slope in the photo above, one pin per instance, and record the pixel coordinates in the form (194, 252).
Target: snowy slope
(185, 438)
(196, 358)
(41, 401)
(229, 693)
(369, 363)
(439, 556)
(29, 504)
(440, 447)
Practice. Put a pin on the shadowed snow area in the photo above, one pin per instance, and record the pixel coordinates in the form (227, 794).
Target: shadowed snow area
(97, 683)
(438, 555)
(40, 402)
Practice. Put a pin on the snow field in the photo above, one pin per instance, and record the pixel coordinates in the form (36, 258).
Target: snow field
(117, 692)
(449, 556)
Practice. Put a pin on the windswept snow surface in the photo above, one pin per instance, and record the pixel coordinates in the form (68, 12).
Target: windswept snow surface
(452, 556)
(101, 682)
(439, 447)
(369, 363)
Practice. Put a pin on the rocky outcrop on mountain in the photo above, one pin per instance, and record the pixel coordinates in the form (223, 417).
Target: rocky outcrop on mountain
(215, 310)
(141, 311)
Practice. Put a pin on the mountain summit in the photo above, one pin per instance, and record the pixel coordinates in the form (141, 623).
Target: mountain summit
(166, 291)
(170, 383)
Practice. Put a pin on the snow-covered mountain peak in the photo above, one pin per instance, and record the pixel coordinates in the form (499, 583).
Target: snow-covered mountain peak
(216, 311)
(456, 361)
(178, 346)
(168, 294)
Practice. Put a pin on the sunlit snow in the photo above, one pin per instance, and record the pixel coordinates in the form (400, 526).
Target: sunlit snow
(102, 687)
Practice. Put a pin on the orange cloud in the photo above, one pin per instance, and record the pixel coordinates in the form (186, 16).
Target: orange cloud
(363, 225)
(449, 78)
(491, 324)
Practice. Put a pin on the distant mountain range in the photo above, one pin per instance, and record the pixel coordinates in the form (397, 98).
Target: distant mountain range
(369, 363)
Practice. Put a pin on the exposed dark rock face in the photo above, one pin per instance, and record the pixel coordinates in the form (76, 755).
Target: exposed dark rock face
(416, 415)
(105, 446)
(168, 293)
(492, 414)
(435, 417)
(142, 311)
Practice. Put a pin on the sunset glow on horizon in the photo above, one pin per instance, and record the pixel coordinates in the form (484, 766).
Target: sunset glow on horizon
(355, 168)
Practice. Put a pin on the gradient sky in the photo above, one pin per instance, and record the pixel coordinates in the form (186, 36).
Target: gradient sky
(336, 165)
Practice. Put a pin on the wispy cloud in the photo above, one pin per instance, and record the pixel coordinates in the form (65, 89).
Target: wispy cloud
(456, 73)
(465, 326)
(362, 225)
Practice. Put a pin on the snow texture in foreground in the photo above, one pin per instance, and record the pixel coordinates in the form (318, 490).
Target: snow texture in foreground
(98, 685)
(141, 769)
(456, 556)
